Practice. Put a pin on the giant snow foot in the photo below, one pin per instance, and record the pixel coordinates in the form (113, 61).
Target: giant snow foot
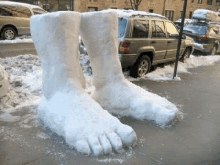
(127, 99)
(84, 124)
(99, 32)
(66, 109)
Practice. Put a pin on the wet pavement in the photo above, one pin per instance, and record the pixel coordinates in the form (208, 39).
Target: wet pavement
(193, 141)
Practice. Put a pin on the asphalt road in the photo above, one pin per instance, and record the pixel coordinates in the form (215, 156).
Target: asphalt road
(193, 141)
(14, 49)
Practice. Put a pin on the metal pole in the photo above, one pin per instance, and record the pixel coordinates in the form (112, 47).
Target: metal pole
(164, 7)
(180, 38)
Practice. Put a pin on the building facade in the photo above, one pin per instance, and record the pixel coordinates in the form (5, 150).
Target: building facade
(170, 8)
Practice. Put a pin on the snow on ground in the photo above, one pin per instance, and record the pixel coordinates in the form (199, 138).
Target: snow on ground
(17, 40)
(166, 73)
(25, 78)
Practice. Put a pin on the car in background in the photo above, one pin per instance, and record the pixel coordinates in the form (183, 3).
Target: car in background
(4, 84)
(206, 36)
(15, 18)
(148, 39)
(178, 22)
(205, 30)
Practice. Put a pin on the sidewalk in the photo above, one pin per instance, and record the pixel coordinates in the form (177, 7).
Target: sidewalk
(193, 141)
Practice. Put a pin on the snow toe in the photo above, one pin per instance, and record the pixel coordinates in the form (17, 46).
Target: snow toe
(115, 141)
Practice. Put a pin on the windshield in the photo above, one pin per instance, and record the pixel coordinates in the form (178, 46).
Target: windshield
(121, 27)
(196, 29)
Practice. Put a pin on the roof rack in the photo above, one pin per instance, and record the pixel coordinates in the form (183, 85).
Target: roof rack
(205, 21)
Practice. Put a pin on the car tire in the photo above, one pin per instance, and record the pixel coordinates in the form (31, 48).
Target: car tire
(141, 67)
(186, 55)
(213, 50)
(8, 33)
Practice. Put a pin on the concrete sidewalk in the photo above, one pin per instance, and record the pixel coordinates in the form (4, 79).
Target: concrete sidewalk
(195, 140)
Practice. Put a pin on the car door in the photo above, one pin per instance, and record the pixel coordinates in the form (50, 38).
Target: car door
(21, 16)
(158, 39)
(5, 16)
(172, 40)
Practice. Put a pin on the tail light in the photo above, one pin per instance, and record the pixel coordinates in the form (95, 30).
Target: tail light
(124, 47)
(203, 38)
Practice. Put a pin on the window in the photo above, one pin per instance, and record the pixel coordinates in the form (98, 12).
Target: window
(169, 14)
(18, 11)
(92, 8)
(190, 15)
(38, 11)
(171, 29)
(113, 1)
(209, 2)
(200, 1)
(151, 10)
(5, 11)
(218, 2)
(122, 23)
(158, 29)
(140, 29)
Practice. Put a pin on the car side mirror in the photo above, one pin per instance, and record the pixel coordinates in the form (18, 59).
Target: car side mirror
(183, 36)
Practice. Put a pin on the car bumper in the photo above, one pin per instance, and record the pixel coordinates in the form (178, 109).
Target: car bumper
(127, 59)
(203, 47)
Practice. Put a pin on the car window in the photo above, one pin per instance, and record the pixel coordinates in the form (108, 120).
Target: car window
(171, 29)
(140, 29)
(38, 11)
(18, 11)
(5, 10)
(158, 29)
(196, 29)
(121, 27)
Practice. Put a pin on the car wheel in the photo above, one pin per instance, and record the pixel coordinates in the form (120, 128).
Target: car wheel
(8, 33)
(186, 54)
(213, 51)
(141, 68)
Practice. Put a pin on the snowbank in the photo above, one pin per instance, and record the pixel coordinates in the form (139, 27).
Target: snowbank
(17, 40)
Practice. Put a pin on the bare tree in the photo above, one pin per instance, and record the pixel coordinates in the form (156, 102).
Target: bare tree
(135, 4)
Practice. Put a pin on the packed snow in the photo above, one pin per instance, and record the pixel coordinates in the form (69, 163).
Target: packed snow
(17, 40)
(66, 108)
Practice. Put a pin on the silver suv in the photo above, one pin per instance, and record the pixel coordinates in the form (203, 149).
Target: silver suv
(15, 18)
(146, 40)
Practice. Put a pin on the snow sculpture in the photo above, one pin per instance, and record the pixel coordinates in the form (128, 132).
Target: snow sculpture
(99, 32)
(66, 108)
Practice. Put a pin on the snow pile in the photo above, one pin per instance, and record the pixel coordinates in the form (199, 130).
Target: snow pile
(166, 73)
(128, 13)
(17, 40)
(25, 76)
(206, 15)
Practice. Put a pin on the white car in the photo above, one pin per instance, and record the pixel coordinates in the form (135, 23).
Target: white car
(4, 84)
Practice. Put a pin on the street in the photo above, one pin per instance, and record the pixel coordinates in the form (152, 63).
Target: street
(13, 49)
(195, 140)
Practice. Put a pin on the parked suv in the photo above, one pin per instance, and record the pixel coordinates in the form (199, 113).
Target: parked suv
(146, 40)
(205, 34)
(15, 18)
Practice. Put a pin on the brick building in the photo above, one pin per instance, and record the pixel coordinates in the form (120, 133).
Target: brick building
(172, 9)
